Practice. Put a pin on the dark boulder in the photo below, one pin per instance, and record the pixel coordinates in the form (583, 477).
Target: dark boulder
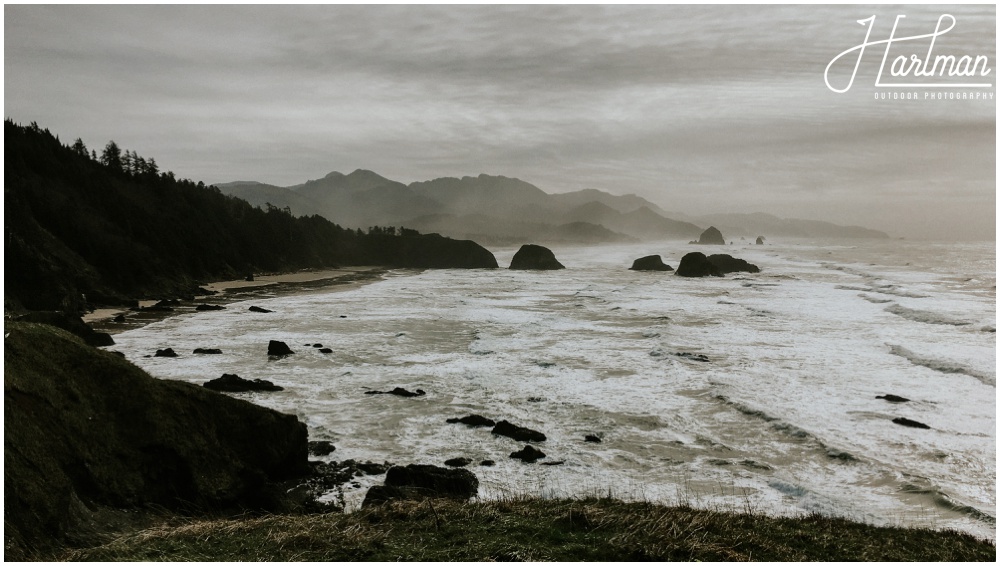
(487, 463)
(760, 240)
(86, 431)
(473, 421)
(417, 481)
(529, 454)
(650, 263)
(592, 438)
(321, 447)
(531, 256)
(276, 348)
(317, 345)
(207, 351)
(119, 319)
(712, 236)
(519, 433)
(434, 480)
(258, 309)
(205, 307)
(695, 264)
(892, 398)
(555, 463)
(71, 324)
(457, 462)
(910, 423)
(165, 353)
(726, 263)
(325, 351)
(400, 392)
(232, 383)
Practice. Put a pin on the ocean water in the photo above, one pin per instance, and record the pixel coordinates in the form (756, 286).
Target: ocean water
(782, 418)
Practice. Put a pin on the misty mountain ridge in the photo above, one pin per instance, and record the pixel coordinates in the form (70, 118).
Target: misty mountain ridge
(503, 210)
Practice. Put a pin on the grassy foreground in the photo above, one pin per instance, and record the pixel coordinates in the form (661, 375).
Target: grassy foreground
(536, 530)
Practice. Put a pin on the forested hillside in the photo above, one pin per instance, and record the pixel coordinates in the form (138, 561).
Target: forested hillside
(105, 229)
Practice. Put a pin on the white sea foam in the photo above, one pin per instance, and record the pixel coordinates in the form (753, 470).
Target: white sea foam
(796, 359)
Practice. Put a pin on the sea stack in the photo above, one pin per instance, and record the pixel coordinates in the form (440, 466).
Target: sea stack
(760, 240)
(531, 256)
(712, 236)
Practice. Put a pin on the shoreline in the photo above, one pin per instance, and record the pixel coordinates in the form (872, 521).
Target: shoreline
(267, 285)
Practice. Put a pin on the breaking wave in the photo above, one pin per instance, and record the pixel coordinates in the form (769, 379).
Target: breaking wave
(943, 366)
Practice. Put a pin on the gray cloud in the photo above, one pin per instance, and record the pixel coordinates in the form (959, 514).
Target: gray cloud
(701, 109)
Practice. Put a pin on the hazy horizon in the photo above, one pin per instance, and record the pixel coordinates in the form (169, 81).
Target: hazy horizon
(700, 110)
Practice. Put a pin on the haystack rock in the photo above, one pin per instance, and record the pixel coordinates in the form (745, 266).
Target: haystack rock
(531, 256)
(712, 236)
(695, 264)
(650, 263)
(760, 240)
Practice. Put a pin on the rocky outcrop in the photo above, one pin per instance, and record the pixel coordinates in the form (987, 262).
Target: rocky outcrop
(726, 263)
(760, 240)
(696, 264)
(519, 433)
(85, 430)
(207, 307)
(232, 383)
(418, 481)
(71, 324)
(165, 353)
(457, 462)
(712, 236)
(650, 263)
(531, 256)
(258, 309)
(278, 349)
(592, 438)
(473, 421)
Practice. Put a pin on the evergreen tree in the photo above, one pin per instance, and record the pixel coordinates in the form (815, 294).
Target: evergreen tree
(80, 148)
(112, 156)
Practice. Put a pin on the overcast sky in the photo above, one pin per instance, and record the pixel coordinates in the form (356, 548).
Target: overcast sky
(699, 109)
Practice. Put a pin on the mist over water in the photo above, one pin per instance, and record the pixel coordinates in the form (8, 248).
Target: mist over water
(782, 417)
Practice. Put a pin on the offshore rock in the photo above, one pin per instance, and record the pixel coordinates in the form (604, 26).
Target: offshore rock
(892, 398)
(529, 454)
(473, 421)
(531, 256)
(519, 433)
(726, 263)
(399, 392)
(277, 348)
(207, 351)
(258, 309)
(232, 383)
(760, 240)
(695, 264)
(207, 307)
(910, 423)
(165, 353)
(321, 447)
(650, 263)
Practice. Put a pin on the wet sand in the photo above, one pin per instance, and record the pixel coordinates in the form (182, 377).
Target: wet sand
(225, 292)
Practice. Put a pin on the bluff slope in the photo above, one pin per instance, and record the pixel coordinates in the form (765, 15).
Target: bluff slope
(78, 226)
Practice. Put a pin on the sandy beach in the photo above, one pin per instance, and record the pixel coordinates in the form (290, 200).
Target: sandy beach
(267, 284)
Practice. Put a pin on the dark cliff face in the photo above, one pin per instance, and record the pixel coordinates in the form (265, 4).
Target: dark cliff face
(85, 429)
